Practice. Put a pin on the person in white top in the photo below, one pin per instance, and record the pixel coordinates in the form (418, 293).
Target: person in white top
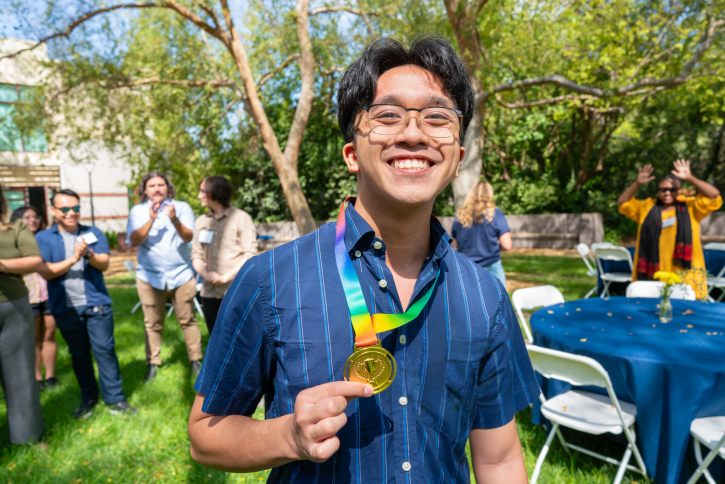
(161, 228)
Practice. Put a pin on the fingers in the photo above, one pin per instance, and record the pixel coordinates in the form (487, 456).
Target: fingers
(324, 450)
(326, 428)
(327, 407)
(348, 389)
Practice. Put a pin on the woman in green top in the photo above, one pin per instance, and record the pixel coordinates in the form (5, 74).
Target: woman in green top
(19, 254)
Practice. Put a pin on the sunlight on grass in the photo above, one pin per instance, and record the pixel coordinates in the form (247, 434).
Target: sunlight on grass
(153, 446)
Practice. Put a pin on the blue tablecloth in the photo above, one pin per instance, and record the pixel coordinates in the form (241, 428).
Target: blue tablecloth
(714, 262)
(672, 372)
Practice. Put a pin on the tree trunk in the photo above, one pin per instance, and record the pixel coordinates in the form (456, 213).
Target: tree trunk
(470, 171)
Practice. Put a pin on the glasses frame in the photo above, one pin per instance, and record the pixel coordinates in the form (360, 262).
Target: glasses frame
(65, 210)
(458, 112)
(666, 189)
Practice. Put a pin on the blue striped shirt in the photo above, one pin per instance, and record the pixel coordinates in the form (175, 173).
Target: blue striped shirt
(284, 326)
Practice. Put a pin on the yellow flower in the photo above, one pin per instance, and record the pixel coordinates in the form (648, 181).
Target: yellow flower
(669, 278)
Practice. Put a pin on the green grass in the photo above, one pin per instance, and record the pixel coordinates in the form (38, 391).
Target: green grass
(153, 445)
(124, 279)
(568, 274)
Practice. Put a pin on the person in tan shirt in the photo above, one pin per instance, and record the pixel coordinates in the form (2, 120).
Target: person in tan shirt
(224, 239)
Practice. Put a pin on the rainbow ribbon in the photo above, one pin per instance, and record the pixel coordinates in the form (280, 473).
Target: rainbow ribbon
(366, 326)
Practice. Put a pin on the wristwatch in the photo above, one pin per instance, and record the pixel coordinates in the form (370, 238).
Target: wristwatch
(88, 254)
(175, 221)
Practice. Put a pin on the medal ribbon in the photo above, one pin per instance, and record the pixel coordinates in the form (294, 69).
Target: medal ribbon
(366, 326)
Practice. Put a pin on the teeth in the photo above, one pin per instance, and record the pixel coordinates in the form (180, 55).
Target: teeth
(410, 164)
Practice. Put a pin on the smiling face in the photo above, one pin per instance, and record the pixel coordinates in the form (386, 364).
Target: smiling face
(408, 168)
(157, 190)
(203, 197)
(667, 191)
(32, 220)
(67, 221)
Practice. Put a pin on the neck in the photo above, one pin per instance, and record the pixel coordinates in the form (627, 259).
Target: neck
(217, 209)
(66, 228)
(405, 231)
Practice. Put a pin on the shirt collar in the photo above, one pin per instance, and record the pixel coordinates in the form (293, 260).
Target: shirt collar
(357, 230)
(54, 228)
(227, 212)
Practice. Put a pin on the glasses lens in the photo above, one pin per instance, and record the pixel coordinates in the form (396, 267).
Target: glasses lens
(664, 190)
(386, 119)
(439, 122)
(65, 210)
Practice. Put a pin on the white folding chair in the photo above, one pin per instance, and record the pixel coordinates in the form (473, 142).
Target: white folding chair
(586, 254)
(716, 282)
(714, 246)
(613, 254)
(587, 412)
(710, 432)
(599, 245)
(654, 289)
(534, 297)
(130, 267)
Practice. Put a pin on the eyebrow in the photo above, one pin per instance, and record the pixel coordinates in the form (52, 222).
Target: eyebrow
(430, 99)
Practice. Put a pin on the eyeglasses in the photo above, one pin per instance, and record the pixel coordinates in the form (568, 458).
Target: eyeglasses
(434, 121)
(65, 210)
(665, 190)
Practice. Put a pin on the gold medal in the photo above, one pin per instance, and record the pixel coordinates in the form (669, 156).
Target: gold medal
(373, 365)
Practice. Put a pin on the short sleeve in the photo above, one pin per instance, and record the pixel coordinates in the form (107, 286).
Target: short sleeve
(100, 247)
(44, 246)
(237, 367)
(703, 206)
(197, 251)
(185, 214)
(136, 219)
(507, 383)
(500, 224)
(634, 208)
(27, 246)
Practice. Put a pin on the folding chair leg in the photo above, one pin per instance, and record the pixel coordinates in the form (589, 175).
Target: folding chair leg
(562, 441)
(136, 307)
(542, 455)
(702, 469)
(198, 307)
(623, 466)
(593, 290)
(605, 292)
(171, 310)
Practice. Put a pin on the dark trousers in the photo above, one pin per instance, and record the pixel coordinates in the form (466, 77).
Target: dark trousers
(210, 306)
(89, 328)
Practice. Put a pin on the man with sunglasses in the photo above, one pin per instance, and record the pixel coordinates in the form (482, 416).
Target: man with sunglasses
(295, 323)
(75, 257)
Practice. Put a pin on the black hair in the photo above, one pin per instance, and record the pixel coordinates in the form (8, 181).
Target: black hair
(430, 52)
(66, 192)
(3, 208)
(20, 212)
(141, 191)
(219, 189)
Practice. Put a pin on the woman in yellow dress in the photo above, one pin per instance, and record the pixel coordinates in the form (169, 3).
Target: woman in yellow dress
(668, 237)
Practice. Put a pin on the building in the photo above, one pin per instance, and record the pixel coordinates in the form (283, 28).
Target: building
(31, 169)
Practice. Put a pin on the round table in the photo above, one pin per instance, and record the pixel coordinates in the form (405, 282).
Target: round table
(673, 372)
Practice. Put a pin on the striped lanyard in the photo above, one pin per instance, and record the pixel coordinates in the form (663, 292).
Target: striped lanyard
(366, 326)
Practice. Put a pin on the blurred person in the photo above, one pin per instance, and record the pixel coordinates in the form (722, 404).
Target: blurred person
(668, 236)
(480, 231)
(224, 238)
(161, 228)
(46, 349)
(19, 254)
(75, 257)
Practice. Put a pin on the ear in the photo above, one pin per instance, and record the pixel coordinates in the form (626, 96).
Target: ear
(462, 155)
(349, 154)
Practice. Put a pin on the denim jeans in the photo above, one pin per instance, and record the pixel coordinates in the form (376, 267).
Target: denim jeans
(496, 269)
(87, 328)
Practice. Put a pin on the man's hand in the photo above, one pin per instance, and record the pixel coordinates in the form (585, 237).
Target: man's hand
(170, 211)
(682, 170)
(79, 250)
(154, 211)
(215, 278)
(319, 415)
(645, 175)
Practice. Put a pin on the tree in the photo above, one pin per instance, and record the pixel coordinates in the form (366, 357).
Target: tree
(600, 59)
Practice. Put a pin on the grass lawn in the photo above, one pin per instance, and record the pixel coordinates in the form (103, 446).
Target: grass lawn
(153, 445)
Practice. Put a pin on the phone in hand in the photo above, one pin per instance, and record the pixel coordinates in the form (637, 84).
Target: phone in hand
(89, 238)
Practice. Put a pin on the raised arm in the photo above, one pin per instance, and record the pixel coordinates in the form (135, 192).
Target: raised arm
(682, 171)
(643, 177)
(236, 443)
(184, 232)
(138, 236)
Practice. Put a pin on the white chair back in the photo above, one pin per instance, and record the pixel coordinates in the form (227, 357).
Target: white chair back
(574, 369)
(599, 245)
(714, 246)
(130, 267)
(613, 254)
(534, 297)
(654, 289)
(584, 251)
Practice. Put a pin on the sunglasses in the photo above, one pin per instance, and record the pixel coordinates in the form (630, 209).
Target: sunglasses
(671, 190)
(65, 210)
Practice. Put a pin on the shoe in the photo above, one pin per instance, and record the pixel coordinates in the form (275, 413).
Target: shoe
(51, 382)
(41, 385)
(151, 373)
(122, 408)
(195, 368)
(85, 410)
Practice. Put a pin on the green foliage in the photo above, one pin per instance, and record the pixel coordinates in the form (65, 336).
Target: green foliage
(112, 239)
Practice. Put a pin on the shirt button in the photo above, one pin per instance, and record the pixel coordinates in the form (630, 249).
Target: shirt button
(406, 466)
(383, 284)
(358, 253)
(402, 339)
(403, 401)
(378, 245)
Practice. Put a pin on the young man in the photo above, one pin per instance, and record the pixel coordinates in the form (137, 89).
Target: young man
(75, 257)
(223, 241)
(285, 330)
(161, 228)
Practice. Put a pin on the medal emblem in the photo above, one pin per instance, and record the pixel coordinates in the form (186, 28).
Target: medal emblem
(373, 365)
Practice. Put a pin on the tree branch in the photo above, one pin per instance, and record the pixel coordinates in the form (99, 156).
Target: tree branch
(366, 19)
(182, 82)
(215, 32)
(542, 102)
(338, 8)
(66, 33)
(221, 116)
(277, 70)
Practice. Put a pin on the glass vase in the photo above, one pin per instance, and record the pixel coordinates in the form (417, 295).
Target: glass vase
(665, 309)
